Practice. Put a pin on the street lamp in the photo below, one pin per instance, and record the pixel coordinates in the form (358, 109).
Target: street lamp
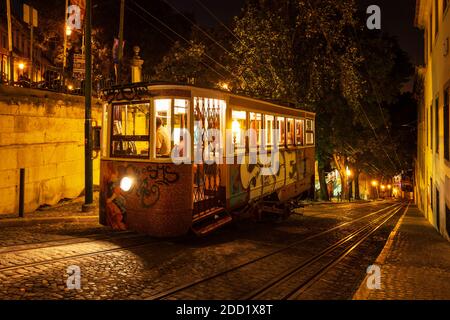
(375, 185)
(348, 173)
(68, 31)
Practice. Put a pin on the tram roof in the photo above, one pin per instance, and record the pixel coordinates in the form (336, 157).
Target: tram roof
(139, 88)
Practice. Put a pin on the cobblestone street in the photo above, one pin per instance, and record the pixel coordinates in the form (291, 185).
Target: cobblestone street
(237, 262)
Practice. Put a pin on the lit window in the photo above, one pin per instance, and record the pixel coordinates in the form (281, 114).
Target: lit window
(180, 126)
(299, 132)
(239, 129)
(162, 125)
(290, 132)
(130, 131)
(255, 129)
(309, 132)
(268, 127)
(281, 126)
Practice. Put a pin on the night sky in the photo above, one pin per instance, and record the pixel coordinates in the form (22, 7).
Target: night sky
(397, 18)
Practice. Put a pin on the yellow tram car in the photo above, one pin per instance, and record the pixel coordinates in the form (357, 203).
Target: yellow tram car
(158, 145)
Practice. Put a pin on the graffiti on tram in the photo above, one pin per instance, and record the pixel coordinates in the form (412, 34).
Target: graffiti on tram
(126, 182)
(247, 182)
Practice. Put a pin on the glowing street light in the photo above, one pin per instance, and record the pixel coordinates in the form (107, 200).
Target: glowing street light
(348, 172)
(224, 86)
(68, 31)
(383, 187)
(374, 183)
(21, 66)
(389, 187)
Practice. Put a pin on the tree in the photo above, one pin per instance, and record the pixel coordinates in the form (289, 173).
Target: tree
(320, 56)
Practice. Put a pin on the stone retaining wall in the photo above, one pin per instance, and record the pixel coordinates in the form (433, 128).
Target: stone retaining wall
(42, 132)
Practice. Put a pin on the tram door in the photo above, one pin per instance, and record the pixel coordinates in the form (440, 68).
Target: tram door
(209, 128)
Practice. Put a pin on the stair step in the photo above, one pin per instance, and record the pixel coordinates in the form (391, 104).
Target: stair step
(210, 221)
(208, 214)
(212, 227)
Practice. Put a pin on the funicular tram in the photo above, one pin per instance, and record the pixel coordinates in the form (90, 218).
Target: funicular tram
(177, 158)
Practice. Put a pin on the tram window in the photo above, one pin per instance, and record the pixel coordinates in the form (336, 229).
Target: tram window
(268, 126)
(239, 129)
(180, 126)
(130, 131)
(290, 132)
(162, 128)
(255, 130)
(309, 132)
(299, 132)
(281, 126)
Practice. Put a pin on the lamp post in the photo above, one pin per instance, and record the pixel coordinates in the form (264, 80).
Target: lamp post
(348, 173)
(375, 185)
(88, 164)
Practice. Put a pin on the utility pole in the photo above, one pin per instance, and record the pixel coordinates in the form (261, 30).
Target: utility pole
(88, 164)
(65, 43)
(10, 42)
(120, 54)
(30, 16)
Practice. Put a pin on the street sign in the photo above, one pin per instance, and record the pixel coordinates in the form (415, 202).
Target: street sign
(30, 15)
(79, 65)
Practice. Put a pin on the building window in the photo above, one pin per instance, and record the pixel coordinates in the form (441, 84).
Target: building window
(447, 219)
(426, 126)
(130, 131)
(436, 16)
(436, 112)
(431, 126)
(431, 33)
(446, 125)
(437, 210)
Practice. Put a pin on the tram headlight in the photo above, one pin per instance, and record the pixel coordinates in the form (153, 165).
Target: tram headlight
(126, 183)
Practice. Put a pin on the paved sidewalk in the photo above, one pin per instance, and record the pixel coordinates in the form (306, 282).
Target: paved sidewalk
(66, 211)
(415, 264)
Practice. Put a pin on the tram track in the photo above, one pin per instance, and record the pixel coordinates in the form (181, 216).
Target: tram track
(84, 255)
(353, 240)
(391, 211)
(153, 242)
(63, 242)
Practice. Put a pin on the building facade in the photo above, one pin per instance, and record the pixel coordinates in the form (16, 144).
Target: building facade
(433, 159)
(21, 37)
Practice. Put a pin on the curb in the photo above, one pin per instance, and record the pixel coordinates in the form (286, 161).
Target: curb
(363, 292)
(20, 222)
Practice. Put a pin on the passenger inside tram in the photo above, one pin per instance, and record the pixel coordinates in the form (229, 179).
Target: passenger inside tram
(162, 140)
